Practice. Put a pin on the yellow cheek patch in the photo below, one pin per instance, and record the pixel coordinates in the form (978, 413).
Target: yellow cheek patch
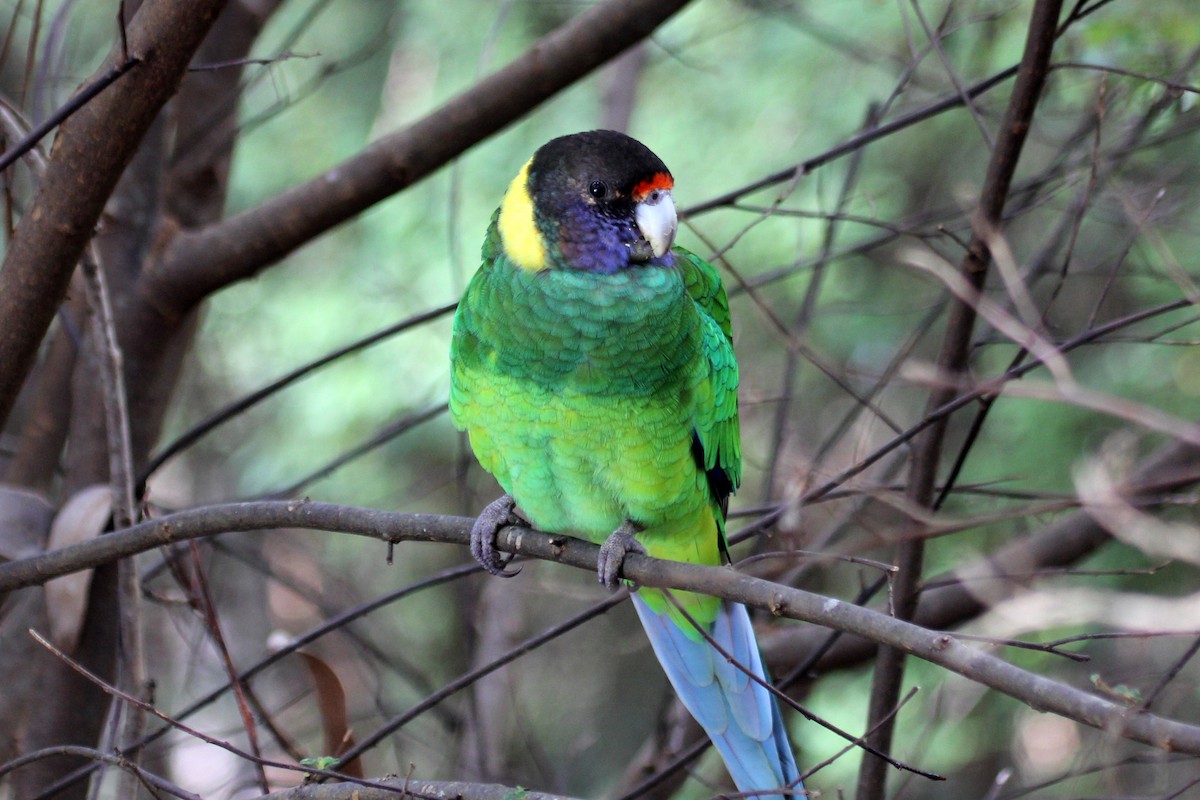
(518, 230)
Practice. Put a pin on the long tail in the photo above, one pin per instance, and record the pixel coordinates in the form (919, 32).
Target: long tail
(740, 716)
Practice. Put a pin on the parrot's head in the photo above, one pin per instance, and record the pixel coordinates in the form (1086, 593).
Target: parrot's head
(596, 201)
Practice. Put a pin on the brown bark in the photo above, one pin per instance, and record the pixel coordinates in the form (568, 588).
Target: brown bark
(90, 153)
(953, 359)
(197, 263)
(943, 649)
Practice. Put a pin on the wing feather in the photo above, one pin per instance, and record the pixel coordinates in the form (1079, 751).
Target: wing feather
(717, 432)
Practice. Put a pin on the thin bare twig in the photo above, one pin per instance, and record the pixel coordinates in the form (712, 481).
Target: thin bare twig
(1170, 675)
(203, 601)
(804, 315)
(120, 469)
(144, 706)
(64, 112)
(334, 623)
(242, 62)
(952, 359)
(469, 678)
(217, 418)
(859, 742)
(1167, 83)
(378, 439)
(935, 40)
(148, 779)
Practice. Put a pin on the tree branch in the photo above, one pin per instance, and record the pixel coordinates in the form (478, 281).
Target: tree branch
(197, 263)
(451, 790)
(85, 95)
(995, 575)
(77, 751)
(91, 151)
(953, 359)
(936, 647)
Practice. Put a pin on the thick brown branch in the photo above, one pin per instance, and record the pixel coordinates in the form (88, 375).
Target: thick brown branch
(90, 153)
(200, 262)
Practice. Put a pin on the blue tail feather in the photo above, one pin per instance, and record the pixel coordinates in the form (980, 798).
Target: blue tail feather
(740, 716)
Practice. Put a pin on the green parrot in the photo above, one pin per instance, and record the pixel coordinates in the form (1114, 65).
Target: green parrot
(592, 367)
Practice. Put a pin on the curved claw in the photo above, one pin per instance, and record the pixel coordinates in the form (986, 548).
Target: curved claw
(613, 551)
(496, 515)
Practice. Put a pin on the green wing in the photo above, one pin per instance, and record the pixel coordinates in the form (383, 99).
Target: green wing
(704, 285)
(717, 432)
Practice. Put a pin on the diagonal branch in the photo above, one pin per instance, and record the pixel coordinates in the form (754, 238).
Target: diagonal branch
(197, 263)
(89, 155)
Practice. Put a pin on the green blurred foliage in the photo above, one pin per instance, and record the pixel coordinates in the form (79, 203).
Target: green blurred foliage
(733, 90)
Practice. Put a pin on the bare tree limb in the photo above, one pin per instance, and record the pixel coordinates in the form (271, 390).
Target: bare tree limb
(856, 142)
(1063, 542)
(199, 262)
(78, 751)
(197, 431)
(337, 622)
(91, 151)
(936, 647)
(132, 672)
(473, 676)
(130, 700)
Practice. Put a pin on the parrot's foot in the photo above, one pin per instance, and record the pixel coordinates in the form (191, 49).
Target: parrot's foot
(612, 553)
(497, 514)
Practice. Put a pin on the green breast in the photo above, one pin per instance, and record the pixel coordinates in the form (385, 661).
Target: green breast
(577, 392)
(632, 332)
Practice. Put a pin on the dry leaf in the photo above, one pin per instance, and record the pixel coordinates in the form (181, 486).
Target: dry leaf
(331, 701)
(82, 518)
(24, 523)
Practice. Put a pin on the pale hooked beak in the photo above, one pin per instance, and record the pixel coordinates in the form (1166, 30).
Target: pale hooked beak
(657, 221)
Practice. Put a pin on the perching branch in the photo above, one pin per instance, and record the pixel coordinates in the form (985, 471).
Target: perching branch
(936, 647)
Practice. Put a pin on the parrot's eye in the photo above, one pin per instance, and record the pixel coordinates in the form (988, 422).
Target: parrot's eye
(598, 190)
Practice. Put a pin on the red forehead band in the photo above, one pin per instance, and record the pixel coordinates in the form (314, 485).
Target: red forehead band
(660, 180)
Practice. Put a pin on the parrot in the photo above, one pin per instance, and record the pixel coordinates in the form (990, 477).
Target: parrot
(592, 369)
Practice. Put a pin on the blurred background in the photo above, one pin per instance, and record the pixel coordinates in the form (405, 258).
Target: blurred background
(833, 279)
